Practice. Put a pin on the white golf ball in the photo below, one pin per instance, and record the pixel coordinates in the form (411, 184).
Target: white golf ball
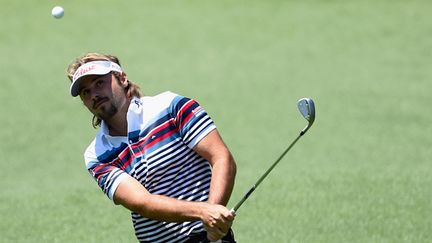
(57, 12)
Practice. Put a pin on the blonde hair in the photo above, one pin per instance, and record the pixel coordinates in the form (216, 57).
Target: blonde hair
(132, 90)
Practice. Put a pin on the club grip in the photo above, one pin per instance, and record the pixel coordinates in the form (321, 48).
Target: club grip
(248, 193)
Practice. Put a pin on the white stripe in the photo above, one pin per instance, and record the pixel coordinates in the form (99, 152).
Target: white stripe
(197, 125)
(204, 127)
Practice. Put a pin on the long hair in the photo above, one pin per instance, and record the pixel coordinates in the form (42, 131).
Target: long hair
(132, 90)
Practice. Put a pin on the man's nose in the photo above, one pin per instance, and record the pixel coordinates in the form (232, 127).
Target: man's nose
(94, 94)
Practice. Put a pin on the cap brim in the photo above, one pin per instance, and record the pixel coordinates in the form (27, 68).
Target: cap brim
(75, 86)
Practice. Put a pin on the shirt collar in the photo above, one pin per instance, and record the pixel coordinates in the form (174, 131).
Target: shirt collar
(135, 107)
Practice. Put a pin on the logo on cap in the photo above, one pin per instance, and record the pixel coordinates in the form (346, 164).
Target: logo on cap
(84, 70)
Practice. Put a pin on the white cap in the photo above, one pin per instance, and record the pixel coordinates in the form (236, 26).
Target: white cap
(92, 68)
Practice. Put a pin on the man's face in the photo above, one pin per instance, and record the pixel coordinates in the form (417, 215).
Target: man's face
(103, 95)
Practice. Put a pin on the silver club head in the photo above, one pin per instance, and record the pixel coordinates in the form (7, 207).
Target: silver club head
(306, 107)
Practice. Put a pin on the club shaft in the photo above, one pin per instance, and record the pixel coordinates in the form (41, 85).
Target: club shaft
(249, 192)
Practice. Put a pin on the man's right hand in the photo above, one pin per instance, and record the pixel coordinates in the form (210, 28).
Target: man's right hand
(217, 221)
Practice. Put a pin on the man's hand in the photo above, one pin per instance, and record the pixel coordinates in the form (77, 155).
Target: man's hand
(217, 221)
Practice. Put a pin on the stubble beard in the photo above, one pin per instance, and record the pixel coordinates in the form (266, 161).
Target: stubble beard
(107, 113)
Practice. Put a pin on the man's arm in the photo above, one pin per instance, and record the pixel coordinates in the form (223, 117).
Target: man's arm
(213, 149)
(132, 195)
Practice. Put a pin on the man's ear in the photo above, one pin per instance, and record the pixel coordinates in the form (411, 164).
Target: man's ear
(123, 80)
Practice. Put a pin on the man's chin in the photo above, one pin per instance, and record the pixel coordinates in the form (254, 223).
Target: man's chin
(106, 114)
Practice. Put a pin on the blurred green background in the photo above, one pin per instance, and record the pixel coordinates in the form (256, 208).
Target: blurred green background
(361, 174)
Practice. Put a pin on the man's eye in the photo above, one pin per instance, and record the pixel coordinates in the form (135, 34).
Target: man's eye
(99, 83)
(84, 92)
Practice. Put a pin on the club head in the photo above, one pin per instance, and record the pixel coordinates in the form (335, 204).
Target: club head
(306, 107)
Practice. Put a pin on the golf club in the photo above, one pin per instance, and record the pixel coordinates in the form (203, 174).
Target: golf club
(307, 109)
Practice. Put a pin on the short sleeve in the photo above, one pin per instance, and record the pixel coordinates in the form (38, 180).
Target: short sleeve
(107, 175)
(192, 120)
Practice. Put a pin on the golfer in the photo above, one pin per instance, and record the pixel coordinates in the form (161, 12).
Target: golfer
(161, 157)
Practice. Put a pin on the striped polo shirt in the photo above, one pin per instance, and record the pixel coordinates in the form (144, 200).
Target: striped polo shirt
(162, 130)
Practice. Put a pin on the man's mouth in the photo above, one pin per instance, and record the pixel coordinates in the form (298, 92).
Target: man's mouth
(99, 102)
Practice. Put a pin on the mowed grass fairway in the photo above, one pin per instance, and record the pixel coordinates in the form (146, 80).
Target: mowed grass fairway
(361, 174)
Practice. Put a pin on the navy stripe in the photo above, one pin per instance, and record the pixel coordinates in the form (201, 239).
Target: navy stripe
(160, 133)
(195, 131)
(181, 193)
(185, 113)
(179, 104)
(114, 176)
(112, 154)
(155, 124)
(169, 149)
(151, 230)
(184, 180)
(169, 164)
(134, 136)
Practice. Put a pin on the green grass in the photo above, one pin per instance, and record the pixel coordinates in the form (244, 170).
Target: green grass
(361, 174)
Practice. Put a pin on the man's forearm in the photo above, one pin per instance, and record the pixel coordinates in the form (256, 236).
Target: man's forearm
(170, 209)
(133, 196)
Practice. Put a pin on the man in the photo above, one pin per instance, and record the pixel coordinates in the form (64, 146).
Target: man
(160, 157)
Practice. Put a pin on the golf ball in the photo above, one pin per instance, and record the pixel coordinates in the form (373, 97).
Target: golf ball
(57, 12)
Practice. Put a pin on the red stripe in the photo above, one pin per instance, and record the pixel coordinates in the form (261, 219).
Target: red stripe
(171, 132)
(186, 120)
(182, 111)
(102, 169)
(144, 140)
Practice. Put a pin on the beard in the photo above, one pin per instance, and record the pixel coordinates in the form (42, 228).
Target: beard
(106, 113)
